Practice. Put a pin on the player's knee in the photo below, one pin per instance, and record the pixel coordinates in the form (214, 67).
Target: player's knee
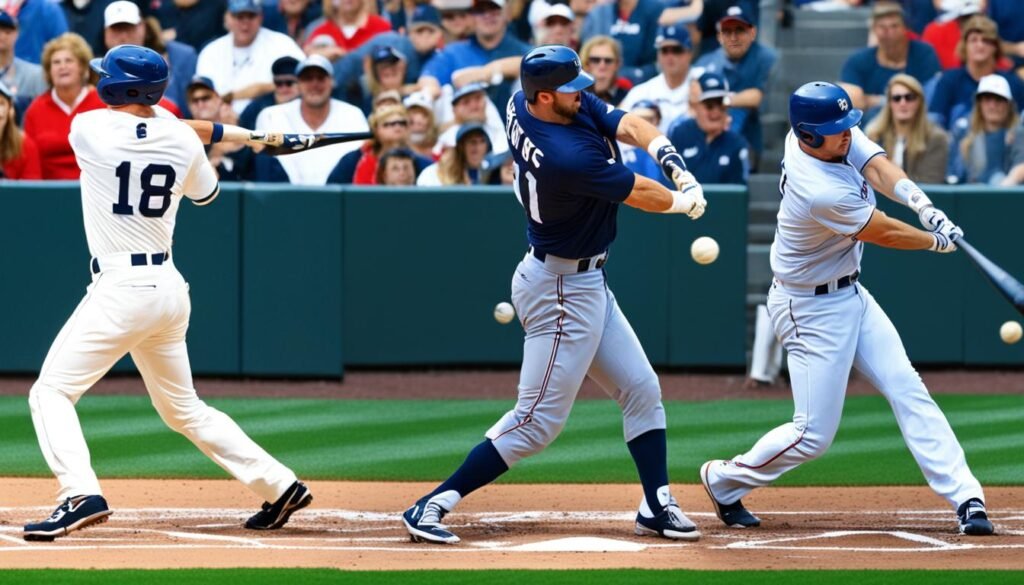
(41, 390)
(643, 396)
(815, 442)
(537, 437)
(185, 419)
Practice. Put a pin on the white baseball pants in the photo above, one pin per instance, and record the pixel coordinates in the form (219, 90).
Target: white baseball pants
(143, 310)
(825, 335)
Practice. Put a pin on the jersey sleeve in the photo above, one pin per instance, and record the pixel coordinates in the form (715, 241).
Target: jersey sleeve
(843, 212)
(605, 116)
(590, 174)
(201, 184)
(862, 149)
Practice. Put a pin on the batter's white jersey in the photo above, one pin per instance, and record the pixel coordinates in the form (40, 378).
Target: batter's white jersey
(824, 206)
(134, 173)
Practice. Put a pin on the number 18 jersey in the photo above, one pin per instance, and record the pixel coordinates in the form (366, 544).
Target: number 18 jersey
(134, 172)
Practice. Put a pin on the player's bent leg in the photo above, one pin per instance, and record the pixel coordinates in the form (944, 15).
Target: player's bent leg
(883, 360)
(820, 335)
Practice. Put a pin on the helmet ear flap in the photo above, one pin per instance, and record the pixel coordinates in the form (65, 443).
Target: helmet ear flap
(812, 139)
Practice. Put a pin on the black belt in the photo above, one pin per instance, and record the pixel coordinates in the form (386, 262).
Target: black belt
(582, 266)
(139, 259)
(845, 281)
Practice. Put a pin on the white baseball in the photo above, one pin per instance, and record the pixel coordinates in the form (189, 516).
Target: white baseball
(504, 313)
(704, 250)
(1011, 332)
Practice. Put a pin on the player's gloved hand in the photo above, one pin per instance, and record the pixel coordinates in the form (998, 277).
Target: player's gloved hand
(688, 185)
(946, 237)
(933, 218)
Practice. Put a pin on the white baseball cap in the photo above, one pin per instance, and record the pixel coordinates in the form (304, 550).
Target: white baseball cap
(121, 12)
(996, 85)
(562, 10)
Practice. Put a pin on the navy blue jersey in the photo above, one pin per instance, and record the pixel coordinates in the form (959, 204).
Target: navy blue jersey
(723, 160)
(569, 177)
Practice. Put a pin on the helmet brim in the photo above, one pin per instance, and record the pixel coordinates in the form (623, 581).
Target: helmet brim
(841, 125)
(96, 64)
(582, 81)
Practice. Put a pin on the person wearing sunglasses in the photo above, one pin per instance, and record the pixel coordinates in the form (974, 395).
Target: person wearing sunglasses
(913, 142)
(634, 24)
(601, 57)
(390, 127)
(866, 72)
(233, 161)
(669, 89)
(713, 153)
(286, 88)
(982, 147)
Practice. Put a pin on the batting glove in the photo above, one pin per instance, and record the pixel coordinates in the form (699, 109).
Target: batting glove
(688, 185)
(946, 237)
(933, 219)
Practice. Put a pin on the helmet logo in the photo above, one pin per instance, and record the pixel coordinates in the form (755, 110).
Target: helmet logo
(576, 63)
(843, 104)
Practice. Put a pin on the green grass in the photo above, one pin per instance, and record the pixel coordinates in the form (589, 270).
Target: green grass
(427, 439)
(631, 576)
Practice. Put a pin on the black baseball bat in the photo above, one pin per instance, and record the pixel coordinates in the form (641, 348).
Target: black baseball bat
(1008, 286)
(293, 143)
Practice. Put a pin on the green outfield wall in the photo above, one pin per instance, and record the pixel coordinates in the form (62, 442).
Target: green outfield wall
(290, 281)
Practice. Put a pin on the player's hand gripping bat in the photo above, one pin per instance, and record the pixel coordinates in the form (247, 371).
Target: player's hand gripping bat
(279, 144)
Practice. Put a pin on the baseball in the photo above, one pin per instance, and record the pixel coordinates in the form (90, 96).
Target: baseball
(1011, 332)
(704, 250)
(503, 313)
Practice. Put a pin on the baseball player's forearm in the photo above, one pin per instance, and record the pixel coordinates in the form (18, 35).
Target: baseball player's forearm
(888, 232)
(890, 180)
(636, 131)
(212, 133)
(649, 195)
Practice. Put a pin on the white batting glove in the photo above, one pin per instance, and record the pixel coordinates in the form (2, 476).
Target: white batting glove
(946, 237)
(932, 218)
(688, 185)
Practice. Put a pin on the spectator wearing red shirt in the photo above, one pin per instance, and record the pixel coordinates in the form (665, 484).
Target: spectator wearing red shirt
(944, 33)
(48, 119)
(349, 23)
(19, 158)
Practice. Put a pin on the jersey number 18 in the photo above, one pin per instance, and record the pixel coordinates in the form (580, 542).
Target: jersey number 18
(161, 192)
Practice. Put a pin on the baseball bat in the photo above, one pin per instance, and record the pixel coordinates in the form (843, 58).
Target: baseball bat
(278, 144)
(1008, 286)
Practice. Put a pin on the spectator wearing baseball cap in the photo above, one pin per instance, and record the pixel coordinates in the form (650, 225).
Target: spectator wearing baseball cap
(426, 36)
(240, 61)
(350, 24)
(462, 164)
(637, 159)
(385, 71)
(315, 111)
(233, 161)
(19, 157)
(980, 49)
(471, 104)
(746, 64)
(634, 24)
(981, 151)
(866, 73)
(492, 55)
(556, 27)
(456, 20)
(39, 22)
(943, 34)
(24, 80)
(422, 130)
(713, 153)
(669, 89)
(712, 13)
(286, 88)
(292, 17)
(123, 25)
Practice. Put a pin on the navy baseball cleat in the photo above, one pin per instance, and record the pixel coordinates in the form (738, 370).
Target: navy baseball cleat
(669, 523)
(423, 521)
(733, 515)
(74, 514)
(274, 516)
(973, 518)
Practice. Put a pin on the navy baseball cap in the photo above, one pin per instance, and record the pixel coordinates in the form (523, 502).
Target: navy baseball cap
(467, 129)
(425, 14)
(387, 54)
(240, 6)
(201, 81)
(713, 86)
(674, 34)
(284, 66)
(737, 13)
(647, 105)
(468, 89)
(7, 21)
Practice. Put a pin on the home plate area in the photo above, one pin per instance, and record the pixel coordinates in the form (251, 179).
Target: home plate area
(508, 526)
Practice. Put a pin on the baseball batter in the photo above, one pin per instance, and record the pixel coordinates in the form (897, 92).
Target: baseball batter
(829, 322)
(570, 180)
(137, 162)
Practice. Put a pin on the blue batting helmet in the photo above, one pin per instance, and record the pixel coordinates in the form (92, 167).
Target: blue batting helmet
(130, 74)
(819, 109)
(552, 68)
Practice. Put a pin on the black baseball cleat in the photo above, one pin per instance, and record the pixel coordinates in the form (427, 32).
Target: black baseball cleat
(973, 518)
(423, 522)
(74, 514)
(670, 523)
(734, 515)
(274, 516)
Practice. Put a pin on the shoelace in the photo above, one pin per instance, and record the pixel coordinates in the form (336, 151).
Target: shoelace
(432, 515)
(972, 510)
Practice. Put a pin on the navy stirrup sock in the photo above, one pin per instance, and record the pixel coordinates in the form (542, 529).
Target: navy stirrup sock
(482, 466)
(651, 457)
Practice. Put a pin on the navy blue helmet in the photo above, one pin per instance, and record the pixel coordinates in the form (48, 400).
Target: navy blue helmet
(819, 109)
(130, 74)
(552, 68)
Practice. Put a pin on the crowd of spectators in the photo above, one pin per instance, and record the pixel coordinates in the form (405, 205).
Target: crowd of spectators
(940, 81)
